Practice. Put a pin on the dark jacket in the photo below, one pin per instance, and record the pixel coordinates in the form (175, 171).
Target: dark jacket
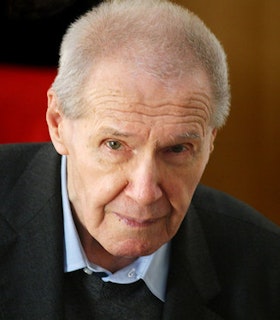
(225, 260)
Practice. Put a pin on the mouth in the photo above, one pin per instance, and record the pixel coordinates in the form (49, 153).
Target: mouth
(137, 223)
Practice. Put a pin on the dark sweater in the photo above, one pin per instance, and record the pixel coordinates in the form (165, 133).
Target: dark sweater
(88, 297)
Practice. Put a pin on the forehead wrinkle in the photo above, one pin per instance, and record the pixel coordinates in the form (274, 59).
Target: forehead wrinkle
(196, 108)
(190, 135)
(112, 96)
(142, 118)
(104, 96)
(194, 118)
(163, 110)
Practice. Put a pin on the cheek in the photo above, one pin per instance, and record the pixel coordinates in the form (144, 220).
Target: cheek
(90, 185)
(102, 176)
(110, 190)
(99, 190)
(180, 188)
(179, 196)
(103, 187)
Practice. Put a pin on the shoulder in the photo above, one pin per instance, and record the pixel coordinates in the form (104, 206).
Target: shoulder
(30, 181)
(244, 247)
(236, 232)
(237, 235)
(16, 150)
(19, 153)
(16, 158)
(213, 204)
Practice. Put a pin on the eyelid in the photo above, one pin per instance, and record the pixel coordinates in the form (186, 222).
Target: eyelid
(184, 146)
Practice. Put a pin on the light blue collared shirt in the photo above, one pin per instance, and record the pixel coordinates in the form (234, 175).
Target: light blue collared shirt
(152, 269)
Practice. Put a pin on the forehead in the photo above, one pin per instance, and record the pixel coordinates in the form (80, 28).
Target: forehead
(128, 82)
(121, 91)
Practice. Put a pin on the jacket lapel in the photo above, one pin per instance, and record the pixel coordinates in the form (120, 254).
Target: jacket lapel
(33, 252)
(192, 281)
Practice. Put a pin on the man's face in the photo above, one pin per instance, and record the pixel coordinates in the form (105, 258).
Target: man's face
(136, 156)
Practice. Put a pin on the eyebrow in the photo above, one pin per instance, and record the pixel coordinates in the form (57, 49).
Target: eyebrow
(116, 133)
(190, 135)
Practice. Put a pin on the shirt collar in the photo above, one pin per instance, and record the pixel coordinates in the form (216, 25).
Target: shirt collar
(152, 269)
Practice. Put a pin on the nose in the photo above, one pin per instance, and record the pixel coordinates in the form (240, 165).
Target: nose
(143, 183)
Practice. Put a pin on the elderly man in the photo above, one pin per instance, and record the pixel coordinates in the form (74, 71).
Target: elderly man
(109, 221)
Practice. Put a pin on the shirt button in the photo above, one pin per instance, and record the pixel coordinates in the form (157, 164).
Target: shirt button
(132, 273)
(87, 271)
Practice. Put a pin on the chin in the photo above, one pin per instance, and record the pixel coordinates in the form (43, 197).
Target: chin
(134, 248)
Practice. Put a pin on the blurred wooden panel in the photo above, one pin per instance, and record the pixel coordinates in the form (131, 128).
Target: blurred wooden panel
(245, 162)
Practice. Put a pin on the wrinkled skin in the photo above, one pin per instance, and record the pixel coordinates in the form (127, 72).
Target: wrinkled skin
(134, 159)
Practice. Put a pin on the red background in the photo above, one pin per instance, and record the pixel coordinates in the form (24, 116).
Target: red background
(23, 102)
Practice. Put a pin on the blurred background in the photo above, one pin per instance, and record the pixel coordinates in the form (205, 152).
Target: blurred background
(245, 162)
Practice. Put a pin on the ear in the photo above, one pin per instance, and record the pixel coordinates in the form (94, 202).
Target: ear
(55, 121)
(212, 139)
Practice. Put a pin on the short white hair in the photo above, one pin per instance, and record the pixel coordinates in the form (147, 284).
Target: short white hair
(166, 39)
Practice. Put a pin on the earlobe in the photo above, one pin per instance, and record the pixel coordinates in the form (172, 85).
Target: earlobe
(54, 119)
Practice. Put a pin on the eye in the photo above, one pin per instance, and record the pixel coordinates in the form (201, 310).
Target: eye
(113, 144)
(178, 148)
(179, 154)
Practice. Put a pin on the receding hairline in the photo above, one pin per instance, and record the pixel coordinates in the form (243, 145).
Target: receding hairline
(151, 47)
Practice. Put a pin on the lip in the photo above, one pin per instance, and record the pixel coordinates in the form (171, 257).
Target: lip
(132, 222)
